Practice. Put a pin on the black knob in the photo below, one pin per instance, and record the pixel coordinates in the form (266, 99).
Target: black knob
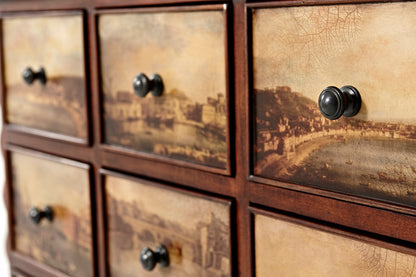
(143, 85)
(149, 259)
(30, 76)
(334, 102)
(37, 215)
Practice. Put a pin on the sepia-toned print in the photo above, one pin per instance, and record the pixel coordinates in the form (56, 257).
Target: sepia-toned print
(189, 120)
(299, 51)
(196, 232)
(287, 249)
(55, 43)
(65, 243)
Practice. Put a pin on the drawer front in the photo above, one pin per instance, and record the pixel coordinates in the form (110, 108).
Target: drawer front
(195, 231)
(65, 242)
(283, 248)
(297, 53)
(56, 44)
(188, 121)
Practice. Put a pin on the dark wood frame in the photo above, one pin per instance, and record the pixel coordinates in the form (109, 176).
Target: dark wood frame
(38, 132)
(388, 224)
(25, 263)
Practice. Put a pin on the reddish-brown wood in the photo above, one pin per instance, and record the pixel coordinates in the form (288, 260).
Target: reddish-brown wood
(32, 268)
(170, 173)
(376, 222)
(241, 83)
(371, 219)
(52, 146)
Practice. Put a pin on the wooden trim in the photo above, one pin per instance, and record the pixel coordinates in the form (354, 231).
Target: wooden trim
(50, 146)
(2, 78)
(132, 3)
(366, 238)
(296, 3)
(8, 201)
(37, 154)
(167, 186)
(170, 173)
(242, 140)
(43, 133)
(45, 5)
(40, 13)
(335, 195)
(29, 266)
(369, 219)
(164, 9)
(101, 222)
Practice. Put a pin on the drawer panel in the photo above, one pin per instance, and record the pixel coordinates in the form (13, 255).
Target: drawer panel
(297, 53)
(55, 43)
(65, 243)
(283, 248)
(194, 230)
(188, 121)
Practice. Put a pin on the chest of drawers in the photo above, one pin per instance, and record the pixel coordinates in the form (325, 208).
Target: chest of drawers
(206, 138)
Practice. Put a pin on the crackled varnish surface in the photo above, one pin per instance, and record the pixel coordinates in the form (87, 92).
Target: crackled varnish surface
(189, 121)
(195, 231)
(66, 242)
(297, 52)
(283, 248)
(55, 43)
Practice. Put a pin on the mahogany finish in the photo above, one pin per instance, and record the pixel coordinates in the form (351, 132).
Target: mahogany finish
(387, 225)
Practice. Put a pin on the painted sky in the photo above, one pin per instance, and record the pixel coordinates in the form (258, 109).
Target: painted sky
(54, 42)
(177, 207)
(186, 48)
(369, 46)
(43, 182)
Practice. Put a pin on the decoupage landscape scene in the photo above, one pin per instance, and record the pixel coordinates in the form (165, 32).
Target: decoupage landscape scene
(328, 254)
(65, 243)
(297, 53)
(59, 105)
(195, 231)
(187, 49)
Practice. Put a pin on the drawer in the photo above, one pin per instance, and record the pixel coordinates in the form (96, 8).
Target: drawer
(193, 229)
(284, 247)
(187, 49)
(55, 100)
(52, 212)
(297, 53)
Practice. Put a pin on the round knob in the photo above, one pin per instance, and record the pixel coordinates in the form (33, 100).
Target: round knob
(143, 85)
(37, 215)
(29, 76)
(334, 102)
(149, 259)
